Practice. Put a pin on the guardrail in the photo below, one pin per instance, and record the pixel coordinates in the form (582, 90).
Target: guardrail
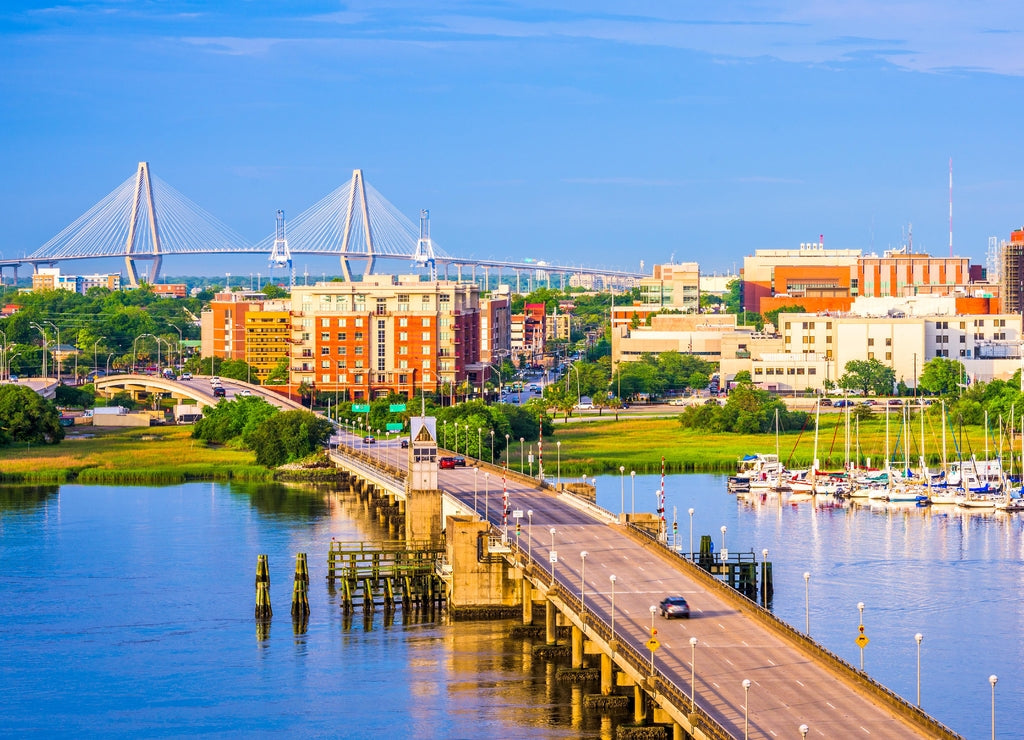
(623, 652)
(886, 696)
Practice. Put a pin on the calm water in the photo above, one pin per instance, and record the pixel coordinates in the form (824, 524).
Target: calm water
(128, 611)
(955, 577)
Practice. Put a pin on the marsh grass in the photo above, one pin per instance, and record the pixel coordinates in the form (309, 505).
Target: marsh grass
(129, 456)
(639, 444)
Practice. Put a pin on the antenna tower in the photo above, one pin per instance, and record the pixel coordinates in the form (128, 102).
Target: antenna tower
(950, 206)
(280, 255)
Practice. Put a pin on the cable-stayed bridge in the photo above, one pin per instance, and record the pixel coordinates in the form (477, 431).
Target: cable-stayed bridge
(145, 219)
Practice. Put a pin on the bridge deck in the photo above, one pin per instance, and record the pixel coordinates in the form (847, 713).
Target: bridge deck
(791, 684)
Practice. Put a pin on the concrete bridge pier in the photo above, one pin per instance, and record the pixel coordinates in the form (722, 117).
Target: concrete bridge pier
(577, 647)
(606, 674)
(527, 602)
(550, 622)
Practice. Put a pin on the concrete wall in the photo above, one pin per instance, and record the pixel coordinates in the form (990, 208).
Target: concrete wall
(123, 420)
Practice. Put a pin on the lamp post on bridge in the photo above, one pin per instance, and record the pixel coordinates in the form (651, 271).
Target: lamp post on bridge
(632, 492)
(807, 603)
(612, 579)
(622, 490)
(553, 557)
(45, 346)
(654, 610)
(57, 354)
(746, 701)
(918, 637)
(583, 586)
(95, 364)
(506, 451)
(529, 541)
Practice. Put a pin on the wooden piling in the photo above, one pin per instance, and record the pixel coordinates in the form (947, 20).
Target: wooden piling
(263, 610)
(300, 589)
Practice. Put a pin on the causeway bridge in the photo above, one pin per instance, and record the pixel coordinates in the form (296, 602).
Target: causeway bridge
(198, 390)
(598, 578)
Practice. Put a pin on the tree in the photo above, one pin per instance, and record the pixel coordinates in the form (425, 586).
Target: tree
(868, 376)
(734, 296)
(78, 396)
(279, 374)
(230, 420)
(25, 416)
(288, 436)
(743, 376)
(773, 315)
(941, 376)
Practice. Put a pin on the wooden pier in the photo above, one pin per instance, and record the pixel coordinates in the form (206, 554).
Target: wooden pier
(387, 573)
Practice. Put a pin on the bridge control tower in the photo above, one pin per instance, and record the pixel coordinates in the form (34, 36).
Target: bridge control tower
(280, 255)
(423, 498)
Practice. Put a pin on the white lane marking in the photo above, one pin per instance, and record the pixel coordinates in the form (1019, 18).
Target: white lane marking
(866, 730)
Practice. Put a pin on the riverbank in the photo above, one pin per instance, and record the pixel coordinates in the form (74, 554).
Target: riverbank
(111, 456)
(593, 447)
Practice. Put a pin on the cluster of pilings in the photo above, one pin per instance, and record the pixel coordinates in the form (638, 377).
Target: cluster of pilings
(738, 570)
(300, 596)
(388, 508)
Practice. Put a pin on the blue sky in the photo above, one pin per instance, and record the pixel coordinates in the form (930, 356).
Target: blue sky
(580, 132)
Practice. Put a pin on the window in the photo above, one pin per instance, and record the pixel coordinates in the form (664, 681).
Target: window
(426, 364)
(426, 321)
(325, 322)
(325, 336)
(799, 371)
(888, 355)
(871, 355)
(403, 364)
(812, 371)
(359, 322)
(425, 336)
(325, 378)
(359, 336)
(403, 336)
(325, 364)
(828, 339)
(325, 350)
(359, 364)
(871, 341)
(342, 364)
(758, 371)
(426, 349)
(963, 339)
(444, 298)
(359, 350)
(790, 371)
(342, 350)
(403, 321)
(342, 322)
(403, 350)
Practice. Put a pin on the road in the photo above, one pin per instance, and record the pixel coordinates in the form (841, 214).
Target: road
(788, 688)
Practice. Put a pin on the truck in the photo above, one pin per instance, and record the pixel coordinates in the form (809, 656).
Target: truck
(109, 411)
(187, 413)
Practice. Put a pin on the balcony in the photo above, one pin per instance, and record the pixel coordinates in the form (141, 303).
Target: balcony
(743, 354)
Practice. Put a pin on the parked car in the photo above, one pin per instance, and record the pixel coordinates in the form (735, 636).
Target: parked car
(446, 463)
(674, 606)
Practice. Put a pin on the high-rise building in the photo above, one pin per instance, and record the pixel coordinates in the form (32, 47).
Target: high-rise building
(222, 324)
(267, 335)
(1012, 273)
(385, 334)
(675, 286)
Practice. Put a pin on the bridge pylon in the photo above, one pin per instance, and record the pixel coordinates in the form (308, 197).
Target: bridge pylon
(357, 192)
(144, 211)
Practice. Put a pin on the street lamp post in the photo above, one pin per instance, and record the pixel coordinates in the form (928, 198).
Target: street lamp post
(918, 637)
(612, 579)
(807, 603)
(558, 472)
(693, 673)
(723, 528)
(479, 444)
(992, 680)
(803, 730)
(654, 610)
(492, 447)
(632, 492)
(522, 465)
(860, 608)
(746, 701)
(95, 364)
(552, 556)
(622, 490)
(583, 585)
(45, 345)
(764, 577)
(444, 429)
(487, 496)
(529, 542)
(691, 533)
(57, 354)
(476, 488)
(506, 452)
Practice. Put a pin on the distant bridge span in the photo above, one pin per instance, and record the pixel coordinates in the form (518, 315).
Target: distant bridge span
(144, 219)
(198, 389)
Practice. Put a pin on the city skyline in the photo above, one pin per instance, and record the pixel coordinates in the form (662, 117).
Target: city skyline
(546, 132)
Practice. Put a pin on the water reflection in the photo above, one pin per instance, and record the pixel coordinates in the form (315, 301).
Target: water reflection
(25, 498)
(286, 499)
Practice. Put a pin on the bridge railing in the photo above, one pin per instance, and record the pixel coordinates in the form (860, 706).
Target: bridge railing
(845, 670)
(371, 465)
(595, 626)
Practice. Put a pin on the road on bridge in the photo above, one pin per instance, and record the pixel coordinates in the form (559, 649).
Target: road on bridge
(788, 688)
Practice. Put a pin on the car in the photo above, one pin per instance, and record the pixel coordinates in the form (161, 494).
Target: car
(186, 376)
(585, 406)
(215, 380)
(677, 402)
(369, 439)
(460, 461)
(895, 402)
(13, 378)
(404, 444)
(674, 606)
(446, 463)
(826, 402)
(219, 392)
(867, 402)
(244, 392)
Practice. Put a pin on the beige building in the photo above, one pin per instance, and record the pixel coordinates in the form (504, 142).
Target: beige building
(696, 334)
(672, 286)
(266, 339)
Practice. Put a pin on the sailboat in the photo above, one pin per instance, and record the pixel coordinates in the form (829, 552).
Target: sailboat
(943, 493)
